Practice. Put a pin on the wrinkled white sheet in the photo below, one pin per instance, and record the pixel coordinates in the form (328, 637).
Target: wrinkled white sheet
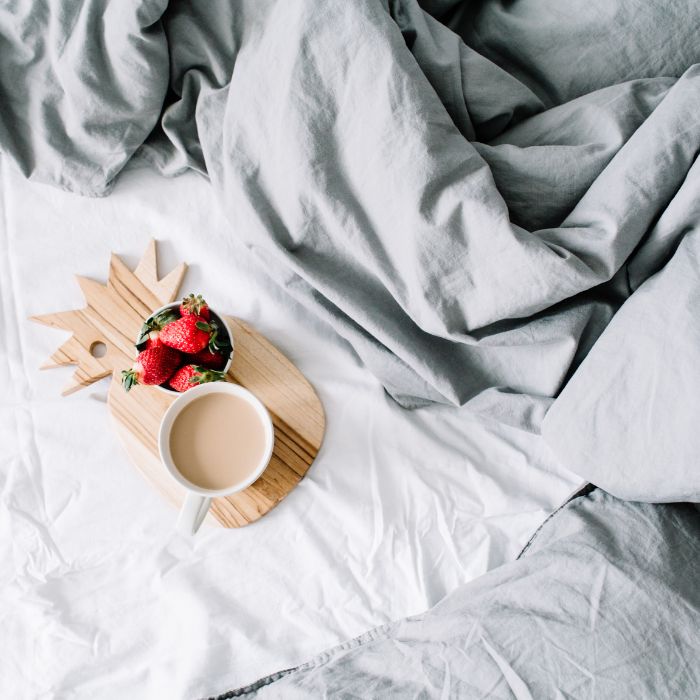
(100, 597)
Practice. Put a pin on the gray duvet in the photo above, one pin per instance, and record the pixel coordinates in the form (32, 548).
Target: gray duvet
(603, 603)
(468, 192)
(468, 211)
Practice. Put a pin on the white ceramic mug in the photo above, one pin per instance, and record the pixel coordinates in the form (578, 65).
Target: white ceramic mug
(198, 499)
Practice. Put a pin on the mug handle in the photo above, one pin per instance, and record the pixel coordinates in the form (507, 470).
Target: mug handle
(192, 513)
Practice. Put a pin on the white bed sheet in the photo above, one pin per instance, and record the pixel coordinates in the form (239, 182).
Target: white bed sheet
(100, 598)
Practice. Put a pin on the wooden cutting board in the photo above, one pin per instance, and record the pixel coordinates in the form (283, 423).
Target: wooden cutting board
(102, 343)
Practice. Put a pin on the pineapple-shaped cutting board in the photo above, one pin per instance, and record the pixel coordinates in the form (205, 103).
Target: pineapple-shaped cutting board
(102, 344)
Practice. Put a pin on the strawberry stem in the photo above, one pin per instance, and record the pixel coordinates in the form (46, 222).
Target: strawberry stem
(204, 375)
(218, 343)
(157, 323)
(129, 379)
(194, 303)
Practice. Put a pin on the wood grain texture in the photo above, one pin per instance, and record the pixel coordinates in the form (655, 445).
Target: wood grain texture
(113, 315)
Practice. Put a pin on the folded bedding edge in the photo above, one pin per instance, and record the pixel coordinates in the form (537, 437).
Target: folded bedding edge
(376, 632)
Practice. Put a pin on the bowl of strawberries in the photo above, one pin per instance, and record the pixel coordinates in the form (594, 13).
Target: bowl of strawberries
(181, 345)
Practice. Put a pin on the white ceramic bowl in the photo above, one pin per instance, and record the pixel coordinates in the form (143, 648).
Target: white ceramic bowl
(220, 321)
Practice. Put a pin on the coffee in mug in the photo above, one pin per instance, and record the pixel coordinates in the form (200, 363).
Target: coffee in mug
(215, 440)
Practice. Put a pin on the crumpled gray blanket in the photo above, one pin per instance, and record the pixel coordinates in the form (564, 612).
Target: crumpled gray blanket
(603, 603)
(465, 191)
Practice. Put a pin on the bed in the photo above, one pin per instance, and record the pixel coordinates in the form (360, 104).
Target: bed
(476, 248)
(95, 579)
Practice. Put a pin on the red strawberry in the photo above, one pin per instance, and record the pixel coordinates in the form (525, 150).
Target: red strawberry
(209, 359)
(194, 306)
(154, 365)
(150, 330)
(192, 375)
(188, 334)
(152, 339)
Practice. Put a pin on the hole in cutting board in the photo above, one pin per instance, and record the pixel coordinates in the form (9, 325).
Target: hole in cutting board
(98, 349)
